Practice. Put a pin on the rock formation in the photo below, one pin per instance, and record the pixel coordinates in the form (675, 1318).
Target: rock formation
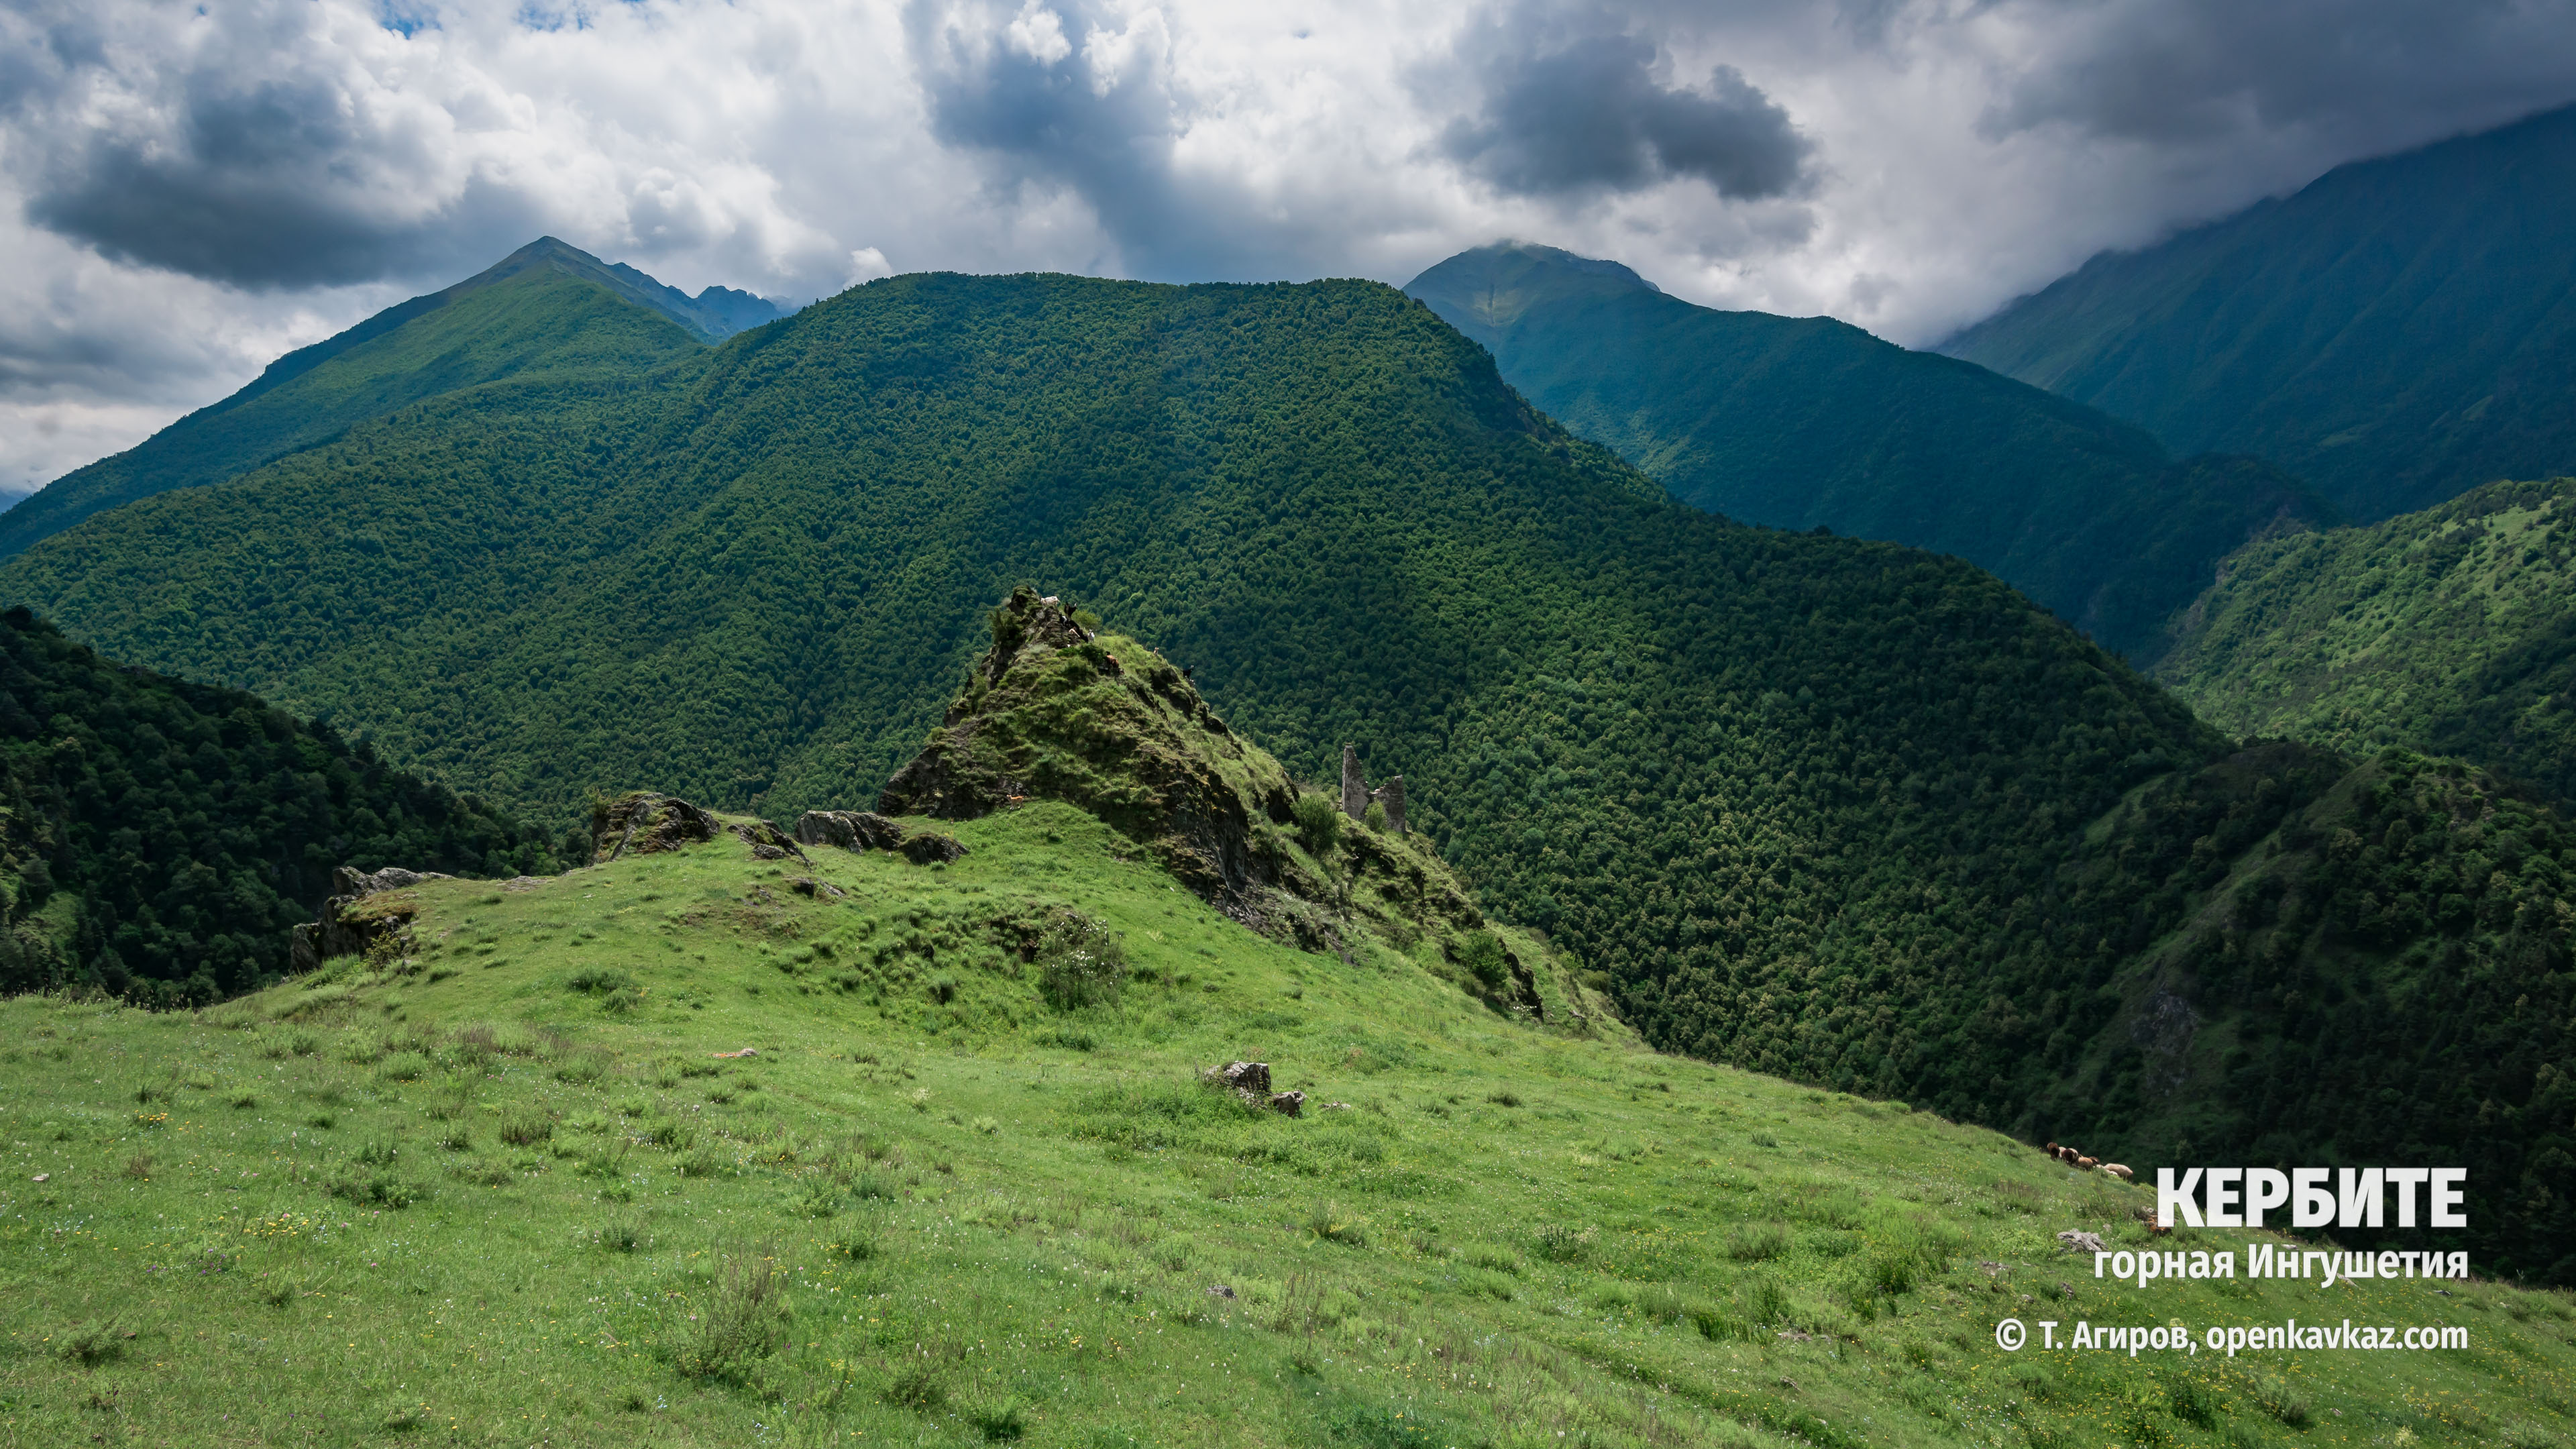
(343, 931)
(641, 822)
(849, 829)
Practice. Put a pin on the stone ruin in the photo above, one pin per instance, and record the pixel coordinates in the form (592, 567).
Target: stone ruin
(1357, 796)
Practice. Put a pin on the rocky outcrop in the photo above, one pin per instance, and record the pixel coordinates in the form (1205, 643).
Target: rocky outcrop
(641, 822)
(1050, 711)
(344, 929)
(867, 830)
(1250, 1083)
(849, 829)
(929, 847)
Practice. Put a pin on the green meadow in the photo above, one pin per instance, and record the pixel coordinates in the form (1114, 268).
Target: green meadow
(508, 1188)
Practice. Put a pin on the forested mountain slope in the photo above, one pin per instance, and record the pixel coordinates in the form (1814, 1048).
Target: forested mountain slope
(159, 838)
(1798, 422)
(2451, 630)
(545, 310)
(2398, 331)
(1838, 810)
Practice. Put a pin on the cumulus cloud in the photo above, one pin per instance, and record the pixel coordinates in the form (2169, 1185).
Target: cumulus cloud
(187, 190)
(1571, 105)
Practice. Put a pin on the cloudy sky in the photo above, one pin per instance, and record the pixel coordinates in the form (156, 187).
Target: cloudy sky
(192, 189)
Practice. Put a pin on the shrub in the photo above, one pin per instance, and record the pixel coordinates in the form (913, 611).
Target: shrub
(600, 980)
(1481, 952)
(582, 1070)
(918, 1388)
(1757, 1242)
(92, 1344)
(859, 1242)
(1080, 963)
(376, 1189)
(526, 1128)
(621, 1234)
(999, 1422)
(2282, 1402)
(1319, 822)
(1662, 1304)
(743, 1321)
(1328, 1221)
(379, 1153)
(2192, 1401)
(403, 1067)
(1563, 1242)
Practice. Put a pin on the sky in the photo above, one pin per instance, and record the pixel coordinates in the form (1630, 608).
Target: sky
(189, 190)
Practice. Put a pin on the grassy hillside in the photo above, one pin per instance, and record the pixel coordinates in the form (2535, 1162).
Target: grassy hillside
(2397, 332)
(2450, 630)
(159, 838)
(1801, 422)
(1830, 809)
(545, 310)
(501, 1188)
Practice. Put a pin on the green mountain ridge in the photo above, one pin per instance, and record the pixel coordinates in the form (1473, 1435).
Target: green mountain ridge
(1836, 810)
(2396, 332)
(546, 309)
(1805, 422)
(2452, 630)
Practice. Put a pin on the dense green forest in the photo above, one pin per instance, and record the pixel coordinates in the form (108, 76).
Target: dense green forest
(158, 839)
(1843, 810)
(2452, 630)
(546, 309)
(2397, 332)
(1805, 422)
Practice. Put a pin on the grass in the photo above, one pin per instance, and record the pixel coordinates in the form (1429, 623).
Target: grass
(917, 1221)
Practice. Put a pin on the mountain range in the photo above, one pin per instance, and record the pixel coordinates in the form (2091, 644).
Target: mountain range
(2397, 332)
(1829, 808)
(1807, 422)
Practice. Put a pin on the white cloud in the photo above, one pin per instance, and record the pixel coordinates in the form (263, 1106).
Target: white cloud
(206, 186)
(1038, 33)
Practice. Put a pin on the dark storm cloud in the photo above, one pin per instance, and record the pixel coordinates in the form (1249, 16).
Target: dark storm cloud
(1073, 97)
(1570, 104)
(2360, 75)
(253, 157)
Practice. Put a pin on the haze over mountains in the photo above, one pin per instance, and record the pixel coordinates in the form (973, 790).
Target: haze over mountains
(2398, 331)
(1806, 422)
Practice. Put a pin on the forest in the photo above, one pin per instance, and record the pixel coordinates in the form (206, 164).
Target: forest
(159, 839)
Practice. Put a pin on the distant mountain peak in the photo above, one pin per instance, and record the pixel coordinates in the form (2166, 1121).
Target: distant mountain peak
(713, 315)
(1495, 283)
